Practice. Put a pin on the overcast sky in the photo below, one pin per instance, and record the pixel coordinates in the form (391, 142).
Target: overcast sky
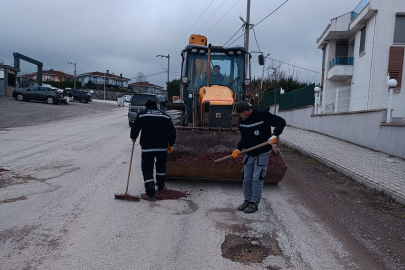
(124, 36)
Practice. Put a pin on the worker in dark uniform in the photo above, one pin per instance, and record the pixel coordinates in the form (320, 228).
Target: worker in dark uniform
(157, 139)
(255, 128)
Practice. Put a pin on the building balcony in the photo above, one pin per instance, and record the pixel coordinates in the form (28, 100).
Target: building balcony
(346, 61)
(340, 68)
(359, 8)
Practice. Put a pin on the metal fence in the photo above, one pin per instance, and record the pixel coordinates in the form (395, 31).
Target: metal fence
(370, 96)
(292, 100)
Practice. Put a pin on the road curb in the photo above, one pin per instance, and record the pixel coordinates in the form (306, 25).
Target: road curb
(363, 181)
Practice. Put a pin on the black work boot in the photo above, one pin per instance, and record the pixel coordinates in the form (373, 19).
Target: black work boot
(243, 205)
(251, 208)
(163, 190)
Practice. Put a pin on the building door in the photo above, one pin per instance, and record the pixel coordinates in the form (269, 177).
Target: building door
(2, 87)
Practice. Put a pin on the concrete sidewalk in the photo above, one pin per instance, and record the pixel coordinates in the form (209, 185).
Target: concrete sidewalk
(375, 170)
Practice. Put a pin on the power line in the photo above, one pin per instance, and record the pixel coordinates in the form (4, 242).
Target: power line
(257, 23)
(293, 65)
(233, 36)
(256, 39)
(271, 13)
(211, 16)
(221, 18)
(191, 26)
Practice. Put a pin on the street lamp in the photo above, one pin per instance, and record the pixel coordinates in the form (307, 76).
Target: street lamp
(74, 86)
(391, 84)
(317, 89)
(168, 66)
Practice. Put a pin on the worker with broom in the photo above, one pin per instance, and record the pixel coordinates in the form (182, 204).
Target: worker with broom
(157, 139)
(255, 128)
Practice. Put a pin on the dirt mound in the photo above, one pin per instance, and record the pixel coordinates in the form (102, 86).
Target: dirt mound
(208, 158)
(171, 195)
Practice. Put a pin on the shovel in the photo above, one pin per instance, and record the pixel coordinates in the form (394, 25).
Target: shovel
(127, 196)
(247, 150)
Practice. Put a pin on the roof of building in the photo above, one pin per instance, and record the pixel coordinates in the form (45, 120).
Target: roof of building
(49, 72)
(102, 74)
(147, 84)
(9, 67)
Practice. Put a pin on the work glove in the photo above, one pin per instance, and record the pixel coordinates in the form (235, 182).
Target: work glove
(235, 153)
(134, 141)
(272, 140)
(169, 149)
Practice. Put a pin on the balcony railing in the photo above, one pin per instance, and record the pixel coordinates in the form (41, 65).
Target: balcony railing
(359, 8)
(346, 61)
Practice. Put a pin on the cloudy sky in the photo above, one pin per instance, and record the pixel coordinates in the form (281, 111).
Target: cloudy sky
(124, 36)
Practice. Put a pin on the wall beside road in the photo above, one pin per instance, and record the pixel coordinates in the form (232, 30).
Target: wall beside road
(361, 128)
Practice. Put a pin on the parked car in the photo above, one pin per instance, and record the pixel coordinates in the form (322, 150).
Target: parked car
(138, 101)
(127, 98)
(81, 96)
(41, 93)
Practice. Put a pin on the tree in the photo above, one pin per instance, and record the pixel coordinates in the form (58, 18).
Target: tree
(173, 89)
(276, 76)
(90, 85)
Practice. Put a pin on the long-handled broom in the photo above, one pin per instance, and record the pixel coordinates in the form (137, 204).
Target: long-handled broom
(127, 196)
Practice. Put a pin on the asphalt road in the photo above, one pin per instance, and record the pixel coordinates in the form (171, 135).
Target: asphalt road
(58, 211)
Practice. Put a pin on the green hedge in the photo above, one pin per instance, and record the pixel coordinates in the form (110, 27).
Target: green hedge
(64, 84)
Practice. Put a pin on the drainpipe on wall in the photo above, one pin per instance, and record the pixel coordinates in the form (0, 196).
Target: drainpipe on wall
(371, 63)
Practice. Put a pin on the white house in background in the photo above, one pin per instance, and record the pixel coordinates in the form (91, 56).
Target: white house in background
(111, 80)
(360, 49)
(146, 87)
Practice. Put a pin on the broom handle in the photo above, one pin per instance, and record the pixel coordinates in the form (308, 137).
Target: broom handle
(244, 151)
(130, 164)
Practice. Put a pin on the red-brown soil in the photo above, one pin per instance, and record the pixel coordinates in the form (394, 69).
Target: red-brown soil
(208, 158)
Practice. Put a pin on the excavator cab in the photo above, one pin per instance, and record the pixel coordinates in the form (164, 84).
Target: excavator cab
(212, 78)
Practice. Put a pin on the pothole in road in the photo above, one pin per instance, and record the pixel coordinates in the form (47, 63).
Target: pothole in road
(248, 250)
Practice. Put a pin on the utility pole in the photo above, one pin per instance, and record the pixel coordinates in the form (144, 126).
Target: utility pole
(247, 26)
(74, 86)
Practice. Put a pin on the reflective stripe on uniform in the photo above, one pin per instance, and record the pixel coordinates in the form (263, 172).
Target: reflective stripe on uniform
(156, 149)
(157, 115)
(160, 173)
(150, 180)
(252, 125)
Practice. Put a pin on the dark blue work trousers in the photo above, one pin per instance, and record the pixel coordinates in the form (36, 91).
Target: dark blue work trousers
(147, 164)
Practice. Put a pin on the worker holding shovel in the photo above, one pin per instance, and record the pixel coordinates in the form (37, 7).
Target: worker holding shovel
(255, 129)
(157, 139)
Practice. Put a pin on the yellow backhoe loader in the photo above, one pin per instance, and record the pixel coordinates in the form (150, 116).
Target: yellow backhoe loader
(213, 78)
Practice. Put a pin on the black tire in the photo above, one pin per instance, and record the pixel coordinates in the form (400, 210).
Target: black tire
(50, 100)
(20, 97)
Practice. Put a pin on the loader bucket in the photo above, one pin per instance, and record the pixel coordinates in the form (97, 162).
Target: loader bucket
(193, 149)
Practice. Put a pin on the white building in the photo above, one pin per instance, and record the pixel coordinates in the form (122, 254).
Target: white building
(109, 79)
(360, 49)
(146, 87)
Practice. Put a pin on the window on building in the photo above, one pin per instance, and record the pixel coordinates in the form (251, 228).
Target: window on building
(396, 63)
(95, 80)
(47, 78)
(323, 57)
(362, 40)
(399, 32)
